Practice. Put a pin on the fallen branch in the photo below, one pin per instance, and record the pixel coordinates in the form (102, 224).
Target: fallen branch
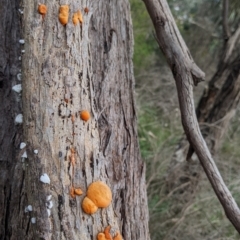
(187, 73)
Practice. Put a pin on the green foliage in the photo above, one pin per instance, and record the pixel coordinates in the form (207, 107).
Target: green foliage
(145, 45)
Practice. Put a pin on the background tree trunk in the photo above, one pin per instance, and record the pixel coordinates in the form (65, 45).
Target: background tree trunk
(67, 69)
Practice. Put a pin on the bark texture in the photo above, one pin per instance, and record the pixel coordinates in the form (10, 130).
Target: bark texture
(11, 172)
(67, 69)
(186, 73)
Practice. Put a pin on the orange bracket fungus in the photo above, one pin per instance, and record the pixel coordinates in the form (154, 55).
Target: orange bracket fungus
(107, 233)
(107, 236)
(118, 236)
(63, 14)
(98, 195)
(101, 236)
(42, 9)
(78, 191)
(77, 17)
(88, 206)
(75, 191)
(85, 115)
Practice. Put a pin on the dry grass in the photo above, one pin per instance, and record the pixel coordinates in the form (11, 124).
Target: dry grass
(159, 132)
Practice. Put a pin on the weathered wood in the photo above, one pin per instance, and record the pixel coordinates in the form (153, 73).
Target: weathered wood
(67, 69)
(181, 64)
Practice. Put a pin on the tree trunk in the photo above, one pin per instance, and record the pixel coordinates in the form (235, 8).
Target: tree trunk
(67, 69)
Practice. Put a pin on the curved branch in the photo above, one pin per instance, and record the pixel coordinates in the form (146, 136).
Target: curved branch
(226, 31)
(186, 73)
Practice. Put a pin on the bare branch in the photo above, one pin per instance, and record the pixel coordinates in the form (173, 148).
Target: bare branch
(185, 71)
(226, 31)
(231, 45)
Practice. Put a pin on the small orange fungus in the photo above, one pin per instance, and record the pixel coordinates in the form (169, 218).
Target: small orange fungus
(118, 236)
(85, 115)
(78, 191)
(42, 9)
(107, 236)
(88, 206)
(107, 233)
(77, 17)
(63, 14)
(101, 236)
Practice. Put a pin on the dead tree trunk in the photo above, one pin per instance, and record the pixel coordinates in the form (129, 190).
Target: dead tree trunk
(66, 69)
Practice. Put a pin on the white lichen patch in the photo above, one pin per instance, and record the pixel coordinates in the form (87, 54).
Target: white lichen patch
(24, 155)
(29, 208)
(49, 197)
(21, 41)
(19, 119)
(45, 178)
(20, 11)
(22, 145)
(17, 88)
(49, 204)
(19, 76)
(33, 220)
(48, 212)
(35, 151)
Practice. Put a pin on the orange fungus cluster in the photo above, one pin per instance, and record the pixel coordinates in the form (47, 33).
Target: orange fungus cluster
(77, 17)
(98, 195)
(107, 236)
(63, 14)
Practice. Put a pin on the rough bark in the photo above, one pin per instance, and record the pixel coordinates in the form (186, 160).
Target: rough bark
(186, 74)
(67, 69)
(11, 172)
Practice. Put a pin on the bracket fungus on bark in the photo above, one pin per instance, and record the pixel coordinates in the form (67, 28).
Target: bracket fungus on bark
(85, 115)
(75, 192)
(88, 206)
(98, 195)
(63, 14)
(42, 9)
(78, 191)
(77, 17)
(107, 236)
